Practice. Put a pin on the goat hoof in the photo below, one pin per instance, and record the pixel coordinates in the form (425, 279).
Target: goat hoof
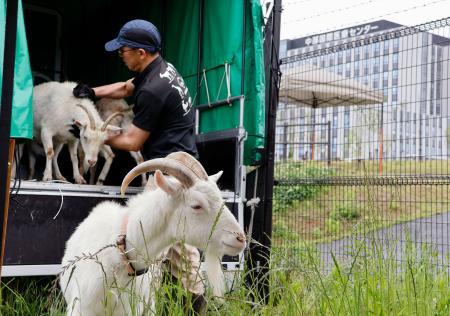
(61, 178)
(80, 180)
(46, 178)
(100, 182)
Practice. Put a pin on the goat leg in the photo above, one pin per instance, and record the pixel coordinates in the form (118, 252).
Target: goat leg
(82, 169)
(31, 162)
(108, 154)
(56, 170)
(73, 145)
(92, 172)
(47, 143)
(18, 151)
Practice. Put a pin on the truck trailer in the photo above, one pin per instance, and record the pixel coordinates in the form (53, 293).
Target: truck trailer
(226, 51)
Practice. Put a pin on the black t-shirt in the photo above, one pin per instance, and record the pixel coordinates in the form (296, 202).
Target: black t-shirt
(163, 106)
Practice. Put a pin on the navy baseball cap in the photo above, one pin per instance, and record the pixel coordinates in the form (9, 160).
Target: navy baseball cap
(137, 34)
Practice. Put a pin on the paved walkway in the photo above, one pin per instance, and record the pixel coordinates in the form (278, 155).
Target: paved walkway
(432, 231)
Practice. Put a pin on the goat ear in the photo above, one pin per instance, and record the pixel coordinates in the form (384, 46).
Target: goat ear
(170, 187)
(216, 177)
(75, 130)
(78, 123)
(150, 186)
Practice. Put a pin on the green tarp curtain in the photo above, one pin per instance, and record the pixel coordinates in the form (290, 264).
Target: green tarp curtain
(221, 43)
(22, 112)
(178, 21)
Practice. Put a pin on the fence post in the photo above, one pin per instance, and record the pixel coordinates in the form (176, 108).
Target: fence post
(329, 142)
(259, 261)
(285, 141)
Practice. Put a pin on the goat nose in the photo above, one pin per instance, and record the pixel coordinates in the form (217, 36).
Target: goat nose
(241, 238)
(92, 162)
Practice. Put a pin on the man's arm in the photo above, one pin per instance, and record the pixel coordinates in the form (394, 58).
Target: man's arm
(115, 90)
(132, 140)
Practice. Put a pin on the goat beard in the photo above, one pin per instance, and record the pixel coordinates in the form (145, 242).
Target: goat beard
(213, 267)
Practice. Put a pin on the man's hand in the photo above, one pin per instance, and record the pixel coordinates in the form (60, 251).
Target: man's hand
(82, 90)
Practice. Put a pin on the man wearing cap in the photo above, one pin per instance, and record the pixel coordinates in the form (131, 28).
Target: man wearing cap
(164, 118)
(163, 122)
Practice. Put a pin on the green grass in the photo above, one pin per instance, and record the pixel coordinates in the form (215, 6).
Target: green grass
(324, 213)
(369, 283)
(370, 167)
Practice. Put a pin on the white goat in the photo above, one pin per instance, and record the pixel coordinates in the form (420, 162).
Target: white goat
(61, 118)
(107, 107)
(189, 210)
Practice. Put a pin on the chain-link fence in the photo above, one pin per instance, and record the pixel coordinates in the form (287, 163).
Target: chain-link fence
(363, 139)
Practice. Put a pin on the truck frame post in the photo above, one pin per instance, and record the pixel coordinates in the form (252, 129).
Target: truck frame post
(5, 115)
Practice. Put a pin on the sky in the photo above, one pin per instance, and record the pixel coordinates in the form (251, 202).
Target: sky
(301, 18)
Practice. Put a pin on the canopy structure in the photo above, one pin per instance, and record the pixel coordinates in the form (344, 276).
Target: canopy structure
(308, 85)
(316, 87)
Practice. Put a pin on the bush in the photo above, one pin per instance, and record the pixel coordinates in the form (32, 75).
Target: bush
(288, 192)
(346, 211)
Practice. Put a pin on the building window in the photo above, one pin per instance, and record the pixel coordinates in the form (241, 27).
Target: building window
(340, 57)
(348, 56)
(385, 95)
(334, 148)
(394, 94)
(385, 62)
(407, 146)
(366, 52)
(376, 81)
(366, 80)
(347, 118)
(386, 47)
(395, 61)
(395, 78)
(438, 107)
(396, 45)
(358, 53)
(425, 39)
(385, 79)
(331, 60)
(356, 71)
(366, 67)
(376, 49)
(376, 66)
(348, 70)
(340, 69)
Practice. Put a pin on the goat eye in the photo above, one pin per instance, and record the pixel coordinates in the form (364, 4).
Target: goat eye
(197, 207)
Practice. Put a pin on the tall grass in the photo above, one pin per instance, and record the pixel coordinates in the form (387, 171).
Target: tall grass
(369, 282)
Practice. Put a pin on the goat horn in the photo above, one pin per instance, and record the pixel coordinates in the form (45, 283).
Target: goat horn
(89, 114)
(190, 162)
(108, 120)
(172, 167)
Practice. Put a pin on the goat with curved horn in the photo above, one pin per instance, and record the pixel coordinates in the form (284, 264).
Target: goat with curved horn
(109, 119)
(190, 162)
(89, 114)
(189, 212)
(170, 166)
